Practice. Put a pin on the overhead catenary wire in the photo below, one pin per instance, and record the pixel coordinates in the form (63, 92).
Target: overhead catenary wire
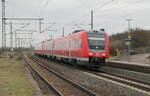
(95, 8)
(98, 7)
(137, 12)
(135, 2)
(46, 29)
(24, 25)
(134, 13)
(25, 11)
(45, 7)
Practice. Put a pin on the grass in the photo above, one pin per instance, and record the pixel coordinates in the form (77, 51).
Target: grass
(13, 81)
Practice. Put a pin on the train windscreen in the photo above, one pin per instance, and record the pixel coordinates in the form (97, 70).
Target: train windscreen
(96, 43)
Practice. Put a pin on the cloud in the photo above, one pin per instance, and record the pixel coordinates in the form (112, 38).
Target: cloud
(108, 14)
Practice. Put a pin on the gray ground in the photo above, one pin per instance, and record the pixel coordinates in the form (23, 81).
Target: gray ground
(138, 58)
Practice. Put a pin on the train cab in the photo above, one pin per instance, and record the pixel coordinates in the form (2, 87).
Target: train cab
(98, 46)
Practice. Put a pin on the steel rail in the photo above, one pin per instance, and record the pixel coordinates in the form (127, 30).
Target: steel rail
(121, 79)
(144, 86)
(140, 77)
(143, 68)
(137, 73)
(90, 93)
(124, 81)
(142, 81)
(58, 93)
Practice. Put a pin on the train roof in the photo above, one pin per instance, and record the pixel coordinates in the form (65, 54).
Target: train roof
(101, 31)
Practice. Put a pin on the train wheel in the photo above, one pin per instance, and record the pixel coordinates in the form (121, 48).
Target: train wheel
(73, 61)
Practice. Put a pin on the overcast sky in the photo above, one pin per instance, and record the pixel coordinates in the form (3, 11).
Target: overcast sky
(108, 14)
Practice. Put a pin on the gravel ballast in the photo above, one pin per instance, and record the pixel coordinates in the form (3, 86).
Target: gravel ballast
(99, 85)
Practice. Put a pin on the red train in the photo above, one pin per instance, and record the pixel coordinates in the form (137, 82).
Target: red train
(87, 48)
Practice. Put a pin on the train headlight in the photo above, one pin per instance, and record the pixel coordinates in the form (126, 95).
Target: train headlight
(103, 54)
(90, 53)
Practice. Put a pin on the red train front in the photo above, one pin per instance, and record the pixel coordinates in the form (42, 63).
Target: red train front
(87, 48)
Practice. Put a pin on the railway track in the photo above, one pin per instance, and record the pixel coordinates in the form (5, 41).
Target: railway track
(140, 85)
(143, 68)
(56, 92)
(61, 85)
(134, 72)
(135, 79)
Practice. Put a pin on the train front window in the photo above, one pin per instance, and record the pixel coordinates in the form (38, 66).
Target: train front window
(96, 43)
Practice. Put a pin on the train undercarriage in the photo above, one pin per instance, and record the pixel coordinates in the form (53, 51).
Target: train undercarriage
(89, 62)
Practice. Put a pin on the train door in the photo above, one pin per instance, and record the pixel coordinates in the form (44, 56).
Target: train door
(69, 47)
